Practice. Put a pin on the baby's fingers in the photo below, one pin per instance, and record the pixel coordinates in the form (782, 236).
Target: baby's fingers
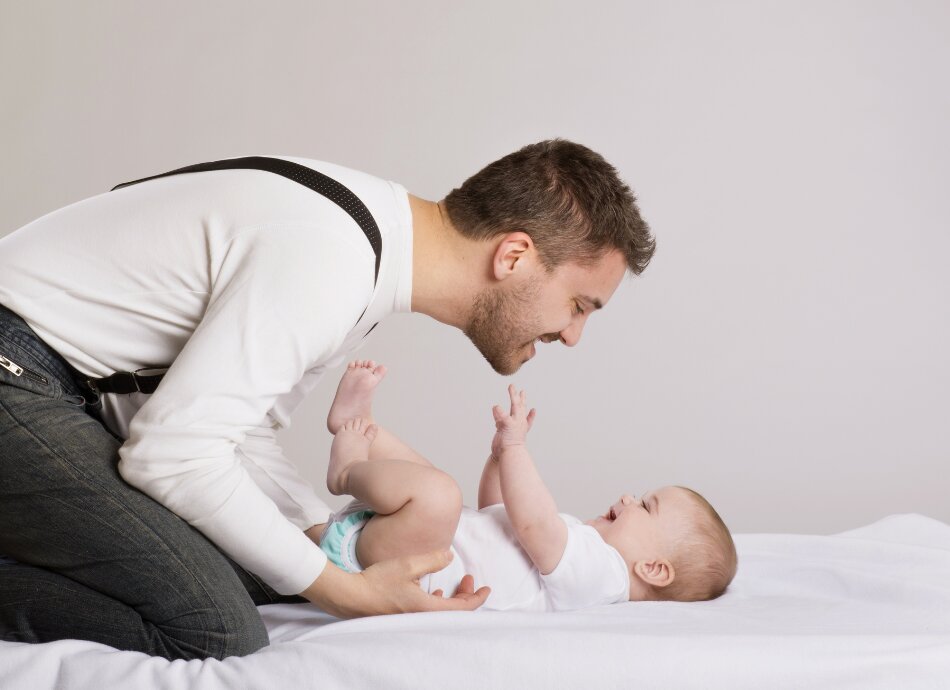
(501, 417)
(517, 399)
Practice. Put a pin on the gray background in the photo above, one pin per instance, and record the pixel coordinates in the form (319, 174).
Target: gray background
(786, 352)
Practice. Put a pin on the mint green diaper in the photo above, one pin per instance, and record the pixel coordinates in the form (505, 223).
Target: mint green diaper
(339, 539)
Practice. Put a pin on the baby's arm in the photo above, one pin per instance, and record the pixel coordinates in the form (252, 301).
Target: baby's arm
(489, 488)
(530, 506)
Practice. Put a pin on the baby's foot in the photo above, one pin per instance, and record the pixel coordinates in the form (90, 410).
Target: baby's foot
(350, 446)
(354, 395)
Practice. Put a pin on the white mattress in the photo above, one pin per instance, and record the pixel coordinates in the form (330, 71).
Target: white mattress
(865, 609)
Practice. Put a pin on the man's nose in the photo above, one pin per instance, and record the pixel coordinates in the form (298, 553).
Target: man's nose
(571, 335)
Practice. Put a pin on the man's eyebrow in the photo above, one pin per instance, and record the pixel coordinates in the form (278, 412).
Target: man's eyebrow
(593, 300)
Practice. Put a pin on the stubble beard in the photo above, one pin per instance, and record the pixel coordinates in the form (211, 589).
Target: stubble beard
(503, 325)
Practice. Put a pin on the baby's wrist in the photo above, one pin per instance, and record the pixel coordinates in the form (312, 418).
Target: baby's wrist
(508, 449)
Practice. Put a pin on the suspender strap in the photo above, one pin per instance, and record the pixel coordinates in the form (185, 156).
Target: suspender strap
(308, 177)
(142, 382)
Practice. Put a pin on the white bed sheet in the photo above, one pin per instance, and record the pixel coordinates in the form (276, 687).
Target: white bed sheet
(864, 609)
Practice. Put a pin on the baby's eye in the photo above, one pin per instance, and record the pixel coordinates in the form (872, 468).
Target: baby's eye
(578, 309)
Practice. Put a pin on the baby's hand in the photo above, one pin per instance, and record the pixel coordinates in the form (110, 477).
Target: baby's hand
(511, 428)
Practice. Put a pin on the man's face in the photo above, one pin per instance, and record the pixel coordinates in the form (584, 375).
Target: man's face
(509, 319)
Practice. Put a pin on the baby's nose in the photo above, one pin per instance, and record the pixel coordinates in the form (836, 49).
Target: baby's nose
(626, 499)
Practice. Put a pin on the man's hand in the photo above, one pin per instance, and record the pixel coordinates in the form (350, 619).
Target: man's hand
(511, 428)
(390, 586)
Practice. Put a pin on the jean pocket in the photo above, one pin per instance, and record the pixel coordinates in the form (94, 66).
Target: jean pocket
(18, 369)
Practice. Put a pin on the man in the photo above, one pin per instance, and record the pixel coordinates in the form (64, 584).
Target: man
(157, 521)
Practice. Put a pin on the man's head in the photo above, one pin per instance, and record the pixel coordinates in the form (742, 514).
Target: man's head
(676, 546)
(563, 228)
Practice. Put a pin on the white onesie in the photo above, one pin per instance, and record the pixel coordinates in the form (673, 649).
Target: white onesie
(590, 573)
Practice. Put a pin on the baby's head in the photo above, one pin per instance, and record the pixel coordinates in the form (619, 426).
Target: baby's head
(675, 545)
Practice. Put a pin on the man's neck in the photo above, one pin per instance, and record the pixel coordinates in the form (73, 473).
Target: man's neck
(445, 266)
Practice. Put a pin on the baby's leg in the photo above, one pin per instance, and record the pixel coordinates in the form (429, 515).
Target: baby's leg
(350, 447)
(354, 398)
(417, 507)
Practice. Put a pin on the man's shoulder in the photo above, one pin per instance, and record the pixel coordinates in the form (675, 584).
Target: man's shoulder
(356, 181)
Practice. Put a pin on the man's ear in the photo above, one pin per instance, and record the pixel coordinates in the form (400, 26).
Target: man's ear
(510, 254)
(656, 573)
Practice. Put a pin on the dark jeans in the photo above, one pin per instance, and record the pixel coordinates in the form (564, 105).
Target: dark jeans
(96, 558)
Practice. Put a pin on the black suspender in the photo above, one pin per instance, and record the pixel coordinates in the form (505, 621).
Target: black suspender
(140, 381)
(308, 177)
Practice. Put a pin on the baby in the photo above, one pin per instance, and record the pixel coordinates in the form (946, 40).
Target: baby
(667, 545)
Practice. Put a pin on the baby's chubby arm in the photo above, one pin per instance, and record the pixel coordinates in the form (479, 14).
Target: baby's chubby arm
(530, 506)
(489, 487)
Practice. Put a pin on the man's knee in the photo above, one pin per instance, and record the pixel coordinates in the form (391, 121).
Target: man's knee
(238, 632)
(220, 631)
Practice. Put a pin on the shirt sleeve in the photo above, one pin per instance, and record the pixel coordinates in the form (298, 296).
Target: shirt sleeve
(283, 298)
(590, 573)
(280, 480)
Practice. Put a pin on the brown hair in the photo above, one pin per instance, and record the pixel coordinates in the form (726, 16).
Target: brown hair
(567, 198)
(704, 556)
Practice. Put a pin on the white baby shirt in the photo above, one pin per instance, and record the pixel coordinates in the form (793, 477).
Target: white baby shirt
(590, 573)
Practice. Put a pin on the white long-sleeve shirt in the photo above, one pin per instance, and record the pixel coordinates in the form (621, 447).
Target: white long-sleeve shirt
(250, 285)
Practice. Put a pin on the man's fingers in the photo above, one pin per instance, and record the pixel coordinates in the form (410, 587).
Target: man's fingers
(466, 591)
(466, 586)
(466, 598)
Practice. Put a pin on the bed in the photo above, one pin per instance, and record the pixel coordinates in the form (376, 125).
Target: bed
(868, 608)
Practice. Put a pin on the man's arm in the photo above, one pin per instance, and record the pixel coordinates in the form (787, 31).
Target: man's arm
(261, 455)
(255, 342)
(391, 586)
(528, 502)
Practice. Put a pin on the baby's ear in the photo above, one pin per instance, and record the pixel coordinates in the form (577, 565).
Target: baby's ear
(656, 573)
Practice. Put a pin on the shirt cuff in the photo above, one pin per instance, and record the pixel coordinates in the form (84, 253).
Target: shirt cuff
(276, 551)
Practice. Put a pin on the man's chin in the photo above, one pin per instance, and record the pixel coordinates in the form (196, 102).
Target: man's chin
(504, 362)
(506, 368)
(508, 365)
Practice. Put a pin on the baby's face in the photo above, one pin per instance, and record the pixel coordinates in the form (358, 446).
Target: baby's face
(641, 528)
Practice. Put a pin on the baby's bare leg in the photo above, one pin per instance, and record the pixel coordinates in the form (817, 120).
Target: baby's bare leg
(387, 445)
(350, 447)
(417, 508)
(354, 398)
